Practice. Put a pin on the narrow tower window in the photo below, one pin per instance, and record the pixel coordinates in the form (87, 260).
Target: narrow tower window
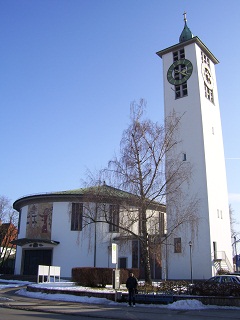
(180, 89)
(180, 54)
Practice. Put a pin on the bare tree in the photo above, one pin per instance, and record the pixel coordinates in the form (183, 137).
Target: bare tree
(7, 213)
(140, 170)
(233, 222)
(141, 186)
(8, 232)
(234, 233)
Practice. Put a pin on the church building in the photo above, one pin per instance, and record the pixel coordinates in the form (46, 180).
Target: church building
(53, 229)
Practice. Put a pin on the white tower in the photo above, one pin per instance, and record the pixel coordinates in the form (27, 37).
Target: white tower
(190, 89)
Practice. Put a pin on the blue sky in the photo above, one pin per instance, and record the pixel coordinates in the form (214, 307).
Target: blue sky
(71, 68)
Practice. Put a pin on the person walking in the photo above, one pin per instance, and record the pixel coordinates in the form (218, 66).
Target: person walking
(131, 285)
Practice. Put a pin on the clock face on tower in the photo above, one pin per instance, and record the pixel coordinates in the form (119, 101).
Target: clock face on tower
(207, 76)
(180, 71)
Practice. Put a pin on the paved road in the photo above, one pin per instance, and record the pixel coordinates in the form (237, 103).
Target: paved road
(15, 306)
(14, 314)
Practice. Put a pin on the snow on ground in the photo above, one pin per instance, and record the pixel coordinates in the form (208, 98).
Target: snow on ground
(189, 304)
(4, 284)
(71, 286)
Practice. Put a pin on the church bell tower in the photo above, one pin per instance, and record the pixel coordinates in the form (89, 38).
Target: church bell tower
(190, 90)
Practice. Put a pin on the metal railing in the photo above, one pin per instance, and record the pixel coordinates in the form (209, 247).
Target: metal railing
(222, 260)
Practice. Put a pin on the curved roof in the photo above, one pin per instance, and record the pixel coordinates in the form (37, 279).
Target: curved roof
(101, 193)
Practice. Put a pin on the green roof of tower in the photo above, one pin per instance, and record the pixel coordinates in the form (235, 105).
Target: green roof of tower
(186, 33)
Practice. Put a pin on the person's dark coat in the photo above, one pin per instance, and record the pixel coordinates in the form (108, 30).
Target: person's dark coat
(131, 283)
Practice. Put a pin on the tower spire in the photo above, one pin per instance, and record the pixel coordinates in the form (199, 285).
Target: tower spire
(186, 33)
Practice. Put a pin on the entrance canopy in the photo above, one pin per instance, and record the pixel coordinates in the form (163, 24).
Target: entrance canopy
(34, 242)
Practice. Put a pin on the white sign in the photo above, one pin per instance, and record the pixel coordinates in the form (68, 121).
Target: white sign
(114, 253)
(45, 272)
(54, 272)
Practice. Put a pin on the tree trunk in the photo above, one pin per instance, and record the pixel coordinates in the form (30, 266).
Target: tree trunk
(146, 251)
(146, 261)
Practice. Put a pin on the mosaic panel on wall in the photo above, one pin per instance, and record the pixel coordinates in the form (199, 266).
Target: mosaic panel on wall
(39, 221)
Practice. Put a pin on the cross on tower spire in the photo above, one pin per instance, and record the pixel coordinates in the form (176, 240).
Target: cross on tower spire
(185, 16)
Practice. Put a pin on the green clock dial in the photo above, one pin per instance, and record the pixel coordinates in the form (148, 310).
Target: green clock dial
(180, 71)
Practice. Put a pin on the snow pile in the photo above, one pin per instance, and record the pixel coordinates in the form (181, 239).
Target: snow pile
(64, 297)
(187, 305)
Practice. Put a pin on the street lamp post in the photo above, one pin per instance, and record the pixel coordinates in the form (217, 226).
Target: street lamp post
(190, 247)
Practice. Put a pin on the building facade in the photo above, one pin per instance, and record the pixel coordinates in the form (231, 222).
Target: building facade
(76, 229)
(190, 91)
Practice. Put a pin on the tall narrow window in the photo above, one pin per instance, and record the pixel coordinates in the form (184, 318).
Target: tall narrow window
(180, 54)
(135, 253)
(180, 89)
(162, 223)
(76, 217)
(175, 56)
(177, 245)
(113, 218)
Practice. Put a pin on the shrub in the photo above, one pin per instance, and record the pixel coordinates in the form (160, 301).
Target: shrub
(222, 271)
(99, 277)
(92, 277)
